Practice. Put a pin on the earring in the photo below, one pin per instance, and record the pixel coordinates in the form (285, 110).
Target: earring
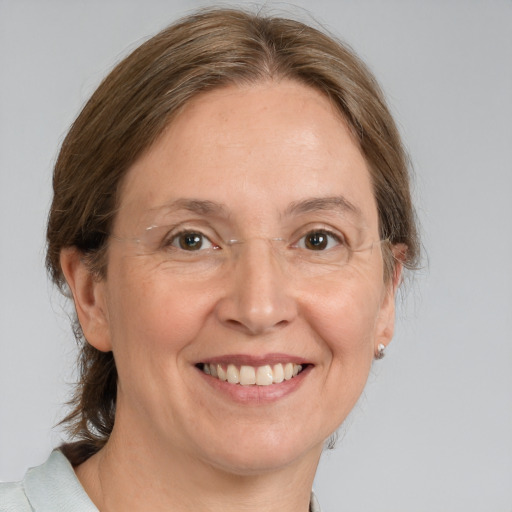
(381, 351)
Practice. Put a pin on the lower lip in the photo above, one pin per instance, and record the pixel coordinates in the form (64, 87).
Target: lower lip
(254, 395)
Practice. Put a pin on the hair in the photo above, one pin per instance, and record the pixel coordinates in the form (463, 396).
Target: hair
(130, 109)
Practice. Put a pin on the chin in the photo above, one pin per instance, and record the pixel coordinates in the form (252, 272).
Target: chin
(264, 453)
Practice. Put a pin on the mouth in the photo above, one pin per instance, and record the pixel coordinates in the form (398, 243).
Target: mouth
(246, 375)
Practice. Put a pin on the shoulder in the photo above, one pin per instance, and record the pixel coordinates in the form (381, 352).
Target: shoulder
(51, 487)
(13, 498)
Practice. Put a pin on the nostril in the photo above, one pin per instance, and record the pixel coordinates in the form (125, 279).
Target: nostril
(254, 327)
(235, 324)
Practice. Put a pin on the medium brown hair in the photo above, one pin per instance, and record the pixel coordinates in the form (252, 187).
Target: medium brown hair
(137, 100)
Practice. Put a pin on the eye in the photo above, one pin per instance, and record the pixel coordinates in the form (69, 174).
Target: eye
(319, 240)
(191, 241)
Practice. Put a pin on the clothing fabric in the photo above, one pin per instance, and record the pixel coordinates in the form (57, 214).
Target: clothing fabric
(54, 487)
(51, 487)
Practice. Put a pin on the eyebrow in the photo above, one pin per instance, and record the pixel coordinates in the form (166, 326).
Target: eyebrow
(337, 203)
(202, 207)
(206, 207)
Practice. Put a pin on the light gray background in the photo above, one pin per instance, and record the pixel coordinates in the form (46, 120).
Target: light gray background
(433, 431)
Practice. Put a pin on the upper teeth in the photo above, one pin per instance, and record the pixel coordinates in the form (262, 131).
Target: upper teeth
(249, 375)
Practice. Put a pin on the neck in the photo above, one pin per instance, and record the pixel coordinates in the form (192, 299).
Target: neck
(130, 474)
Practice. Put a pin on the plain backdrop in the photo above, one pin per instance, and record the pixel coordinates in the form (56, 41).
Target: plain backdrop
(433, 430)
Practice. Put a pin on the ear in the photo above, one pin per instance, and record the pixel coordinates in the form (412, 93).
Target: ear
(89, 298)
(386, 319)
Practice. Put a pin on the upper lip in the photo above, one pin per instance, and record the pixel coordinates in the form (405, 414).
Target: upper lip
(251, 360)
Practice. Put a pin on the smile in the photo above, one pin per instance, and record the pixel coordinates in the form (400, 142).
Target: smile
(246, 375)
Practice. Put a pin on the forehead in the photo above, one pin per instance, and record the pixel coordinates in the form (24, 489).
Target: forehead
(254, 149)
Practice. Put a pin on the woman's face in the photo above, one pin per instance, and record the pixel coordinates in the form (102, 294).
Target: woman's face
(251, 196)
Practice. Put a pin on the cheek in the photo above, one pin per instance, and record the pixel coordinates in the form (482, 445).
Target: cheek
(154, 323)
(344, 316)
(150, 314)
(344, 321)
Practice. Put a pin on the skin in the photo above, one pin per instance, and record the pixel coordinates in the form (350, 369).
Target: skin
(180, 442)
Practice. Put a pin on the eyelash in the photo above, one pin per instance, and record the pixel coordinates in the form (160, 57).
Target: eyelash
(172, 239)
(335, 236)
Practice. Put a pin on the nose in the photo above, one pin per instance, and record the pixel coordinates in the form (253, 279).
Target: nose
(258, 296)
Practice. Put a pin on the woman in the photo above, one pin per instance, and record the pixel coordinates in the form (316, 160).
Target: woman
(231, 215)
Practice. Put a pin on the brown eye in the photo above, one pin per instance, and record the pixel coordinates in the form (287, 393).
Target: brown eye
(318, 241)
(191, 241)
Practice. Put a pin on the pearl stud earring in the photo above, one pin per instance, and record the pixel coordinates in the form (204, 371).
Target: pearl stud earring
(381, 351)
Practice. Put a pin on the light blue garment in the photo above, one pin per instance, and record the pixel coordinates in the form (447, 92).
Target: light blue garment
(54, 487)
(51, 487)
